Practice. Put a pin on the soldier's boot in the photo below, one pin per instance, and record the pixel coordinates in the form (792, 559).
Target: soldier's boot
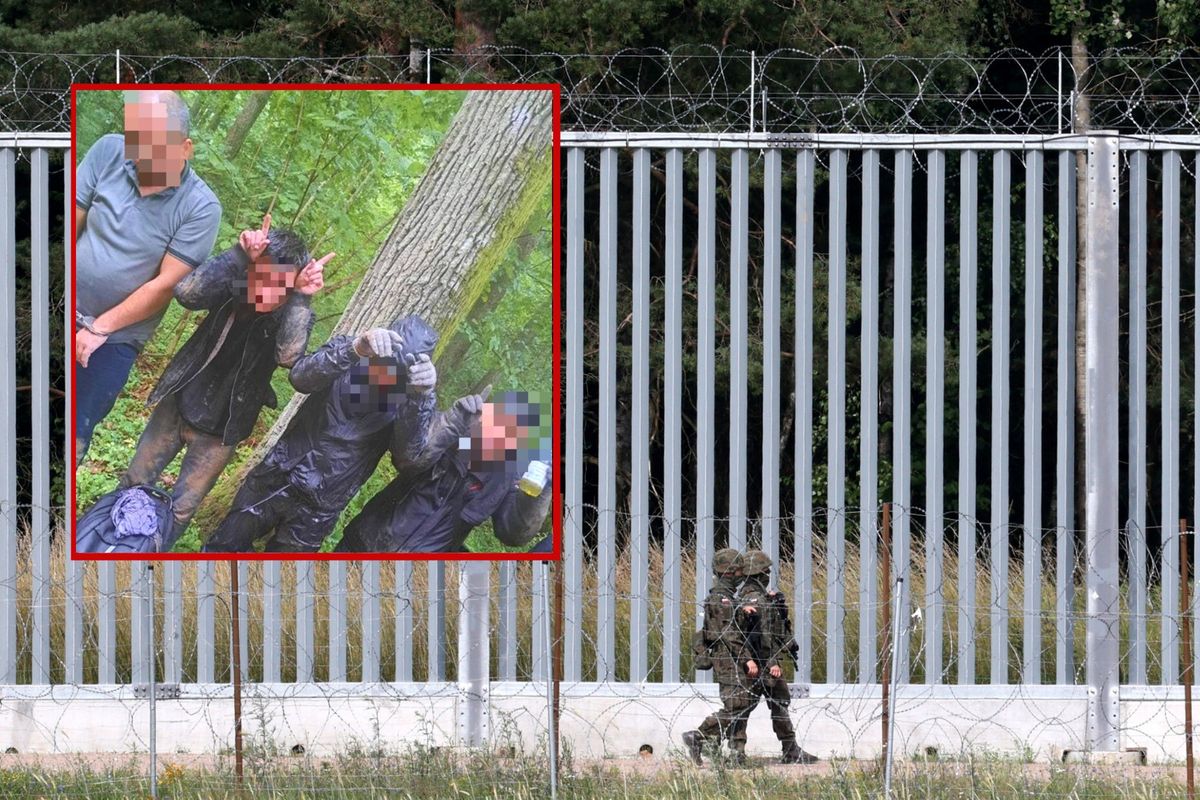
(694, 742)
(792, 754)
(737, 756)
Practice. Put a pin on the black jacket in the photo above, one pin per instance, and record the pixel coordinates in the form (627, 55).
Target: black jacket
(435, 502)
(280, 335)
(333, 444)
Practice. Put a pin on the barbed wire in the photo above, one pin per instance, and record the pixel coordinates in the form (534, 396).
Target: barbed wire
(699, 88)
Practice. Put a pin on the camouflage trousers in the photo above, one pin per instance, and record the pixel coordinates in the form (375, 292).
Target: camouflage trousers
(729, 723)
(778, 696)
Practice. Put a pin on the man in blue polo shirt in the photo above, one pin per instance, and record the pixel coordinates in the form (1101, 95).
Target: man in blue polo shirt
(143, 220)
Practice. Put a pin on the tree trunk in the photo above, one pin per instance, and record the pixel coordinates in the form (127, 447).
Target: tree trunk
(1082, 123)
(245, 120)
(488, 177)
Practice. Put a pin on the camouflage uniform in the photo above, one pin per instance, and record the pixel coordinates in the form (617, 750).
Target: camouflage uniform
(723, 641)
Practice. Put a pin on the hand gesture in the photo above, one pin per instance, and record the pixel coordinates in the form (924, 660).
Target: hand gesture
(255, 242)
(752, 668)
(472, 404)
(312, 278)
(378, 343)
(422, 376)
(775, 671)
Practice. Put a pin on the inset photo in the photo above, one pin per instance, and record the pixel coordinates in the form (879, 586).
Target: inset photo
(315, 322)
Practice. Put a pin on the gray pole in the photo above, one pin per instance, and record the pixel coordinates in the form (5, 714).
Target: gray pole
(891, 710)
(1101, 443)
(153, 710)
(552, 726)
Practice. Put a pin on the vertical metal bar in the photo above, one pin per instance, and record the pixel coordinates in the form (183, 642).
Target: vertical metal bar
(173, 622)
(436, 627)
(1196, 498)
(902, 398)
(1001, 185)
(106, 622)
(836, 549)
(738, 264)
(705, 392)
(1138, 231)
(539, 621)
(506, 628)
(606, 607)
(306, 601)
(639, 500)
(39, 235)
(205, 623)
(935, 408)
(803, 595)
(772, 168)
(1170, 417)
(271, 623)
(73, 654)
(473, 650)
(1031, 651)
(573, 524)
(139, 622)
(869, 410)
(1064, 594)
(8, 417)
(672, 404)
(404, 622)
(1101, 442)
(243, 599)
(368, 620)
(968, 292)
(152, 691)
(335, 594)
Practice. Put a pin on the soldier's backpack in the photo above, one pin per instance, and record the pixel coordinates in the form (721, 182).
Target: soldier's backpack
(701, 654)
(132, 520)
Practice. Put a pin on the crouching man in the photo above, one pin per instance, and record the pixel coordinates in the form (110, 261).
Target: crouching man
(365, 393)
(209, 397)
(475, 465)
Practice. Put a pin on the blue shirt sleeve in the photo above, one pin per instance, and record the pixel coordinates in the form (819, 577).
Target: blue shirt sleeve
(97, 159)
(194, 239)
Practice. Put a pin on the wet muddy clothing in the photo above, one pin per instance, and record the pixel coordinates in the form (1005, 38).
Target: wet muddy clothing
(329, 450)
(435, 502)
(222, 373)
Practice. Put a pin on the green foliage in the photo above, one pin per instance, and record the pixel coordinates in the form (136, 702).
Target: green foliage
(337, 167)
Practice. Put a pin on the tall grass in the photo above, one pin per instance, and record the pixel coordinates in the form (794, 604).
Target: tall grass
(847, 622)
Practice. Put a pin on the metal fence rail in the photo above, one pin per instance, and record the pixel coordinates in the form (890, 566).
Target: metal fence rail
(912, 245)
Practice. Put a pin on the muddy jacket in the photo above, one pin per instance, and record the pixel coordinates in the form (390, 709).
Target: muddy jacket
(720, 634)
(333, 444)
(439, 497)
(276, 338)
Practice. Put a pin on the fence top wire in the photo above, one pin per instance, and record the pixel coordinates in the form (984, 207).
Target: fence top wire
(700, 88)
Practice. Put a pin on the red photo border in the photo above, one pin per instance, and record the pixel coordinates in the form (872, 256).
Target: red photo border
(556, 324)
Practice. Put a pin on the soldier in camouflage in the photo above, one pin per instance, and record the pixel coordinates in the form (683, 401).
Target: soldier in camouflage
(761, 618)
(718, 644)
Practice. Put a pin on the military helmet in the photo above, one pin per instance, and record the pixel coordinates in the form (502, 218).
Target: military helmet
(756, 562)
(726, 560)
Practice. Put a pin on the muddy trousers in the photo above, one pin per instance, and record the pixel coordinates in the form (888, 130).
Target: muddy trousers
(267, 503)
(166, 433)
(729, 722)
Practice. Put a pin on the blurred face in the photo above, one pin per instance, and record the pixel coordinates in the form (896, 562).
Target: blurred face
(268, 283)
(158, 152)
(500, 432)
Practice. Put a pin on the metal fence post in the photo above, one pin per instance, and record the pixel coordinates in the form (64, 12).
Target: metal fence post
(473, 653)
(1101, 443)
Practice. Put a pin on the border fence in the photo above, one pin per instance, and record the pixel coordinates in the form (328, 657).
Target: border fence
(909, 337)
